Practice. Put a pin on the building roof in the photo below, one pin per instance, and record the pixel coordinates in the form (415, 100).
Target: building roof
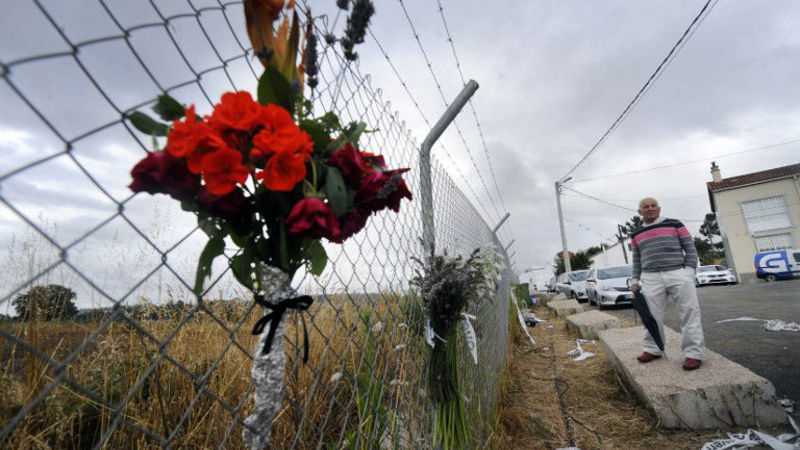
(751, 178)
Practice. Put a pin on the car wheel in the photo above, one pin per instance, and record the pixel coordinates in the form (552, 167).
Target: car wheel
(771, 277)
(575, 296)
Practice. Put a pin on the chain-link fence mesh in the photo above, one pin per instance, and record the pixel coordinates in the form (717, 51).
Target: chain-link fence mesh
(143, 362)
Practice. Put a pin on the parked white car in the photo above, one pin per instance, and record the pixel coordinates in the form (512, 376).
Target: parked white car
(706, 275)
(573, 284)
(607, 286)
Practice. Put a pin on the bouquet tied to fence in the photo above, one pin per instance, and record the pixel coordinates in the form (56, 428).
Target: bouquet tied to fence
(448, 285)
(267, 176)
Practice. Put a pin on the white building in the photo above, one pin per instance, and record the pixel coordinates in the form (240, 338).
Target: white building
(614, 255)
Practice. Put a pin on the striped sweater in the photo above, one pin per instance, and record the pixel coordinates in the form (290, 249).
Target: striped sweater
(662, 245)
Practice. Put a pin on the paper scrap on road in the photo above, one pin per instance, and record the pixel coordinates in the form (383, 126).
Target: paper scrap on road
(579, 351)
(751, 438)
(780, 325)
(769, 325)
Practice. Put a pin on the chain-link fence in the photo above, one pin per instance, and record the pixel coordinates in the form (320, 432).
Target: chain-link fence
(142, 361)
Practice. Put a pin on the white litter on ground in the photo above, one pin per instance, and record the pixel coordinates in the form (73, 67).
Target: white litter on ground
(780, 325)
(787, 404)
(752, 438)
(579, 351)
(769, 325)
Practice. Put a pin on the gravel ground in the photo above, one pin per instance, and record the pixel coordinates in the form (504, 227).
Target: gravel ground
(775, 355)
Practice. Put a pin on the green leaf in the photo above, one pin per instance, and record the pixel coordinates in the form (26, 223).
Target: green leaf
(275, 88)
(318, 134)
(308, 189)
(168, 108)
(214, 248)
(147, 124)
(210, 227)
(242, 265)
(317, 257)
(336, 191)
(354, 130)
(330, 121)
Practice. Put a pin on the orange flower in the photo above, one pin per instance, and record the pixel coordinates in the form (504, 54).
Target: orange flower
(185, 135)
(281, 134)
(236, 111)
(283, 171)
(223, 170)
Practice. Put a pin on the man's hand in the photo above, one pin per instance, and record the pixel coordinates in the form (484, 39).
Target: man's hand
(635, 287)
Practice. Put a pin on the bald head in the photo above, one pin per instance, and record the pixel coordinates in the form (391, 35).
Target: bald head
(649, 209)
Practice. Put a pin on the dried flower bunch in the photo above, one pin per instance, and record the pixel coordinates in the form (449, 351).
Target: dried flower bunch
(448, 284)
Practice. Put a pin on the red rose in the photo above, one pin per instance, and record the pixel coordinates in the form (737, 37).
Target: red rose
(162, 173)
(381, 189)
(311, 217)
(351, 223)
(231, 207)
(350, 162)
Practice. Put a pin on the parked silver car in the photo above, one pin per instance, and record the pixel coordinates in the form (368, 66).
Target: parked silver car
(706, 275)
(607, 286)
(573, 284)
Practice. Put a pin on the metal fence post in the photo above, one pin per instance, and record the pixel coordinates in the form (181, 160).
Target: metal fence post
(426, 185)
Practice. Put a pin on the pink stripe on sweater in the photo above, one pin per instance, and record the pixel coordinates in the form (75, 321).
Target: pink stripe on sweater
(655, 232)
(683, 232)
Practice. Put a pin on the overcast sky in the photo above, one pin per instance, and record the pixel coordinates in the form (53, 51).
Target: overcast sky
(553, 77)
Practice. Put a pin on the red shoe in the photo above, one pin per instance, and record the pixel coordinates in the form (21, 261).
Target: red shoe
(647, 357)
(691, 364)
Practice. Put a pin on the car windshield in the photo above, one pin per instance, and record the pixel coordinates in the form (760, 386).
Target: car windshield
(706, 269)
(578, 276)
(614, 272)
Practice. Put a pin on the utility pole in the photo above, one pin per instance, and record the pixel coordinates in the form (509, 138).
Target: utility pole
(621, 237)
(564, 250)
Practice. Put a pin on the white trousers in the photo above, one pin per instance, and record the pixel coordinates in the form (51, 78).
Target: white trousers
(677, 284)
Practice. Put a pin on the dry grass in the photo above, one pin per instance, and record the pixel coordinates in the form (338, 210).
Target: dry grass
(369, 399)
(606, 413)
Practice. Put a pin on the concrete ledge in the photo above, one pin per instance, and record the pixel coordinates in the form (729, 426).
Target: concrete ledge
(721, 394)
(565, 307)
(559, 297)
(588, 323)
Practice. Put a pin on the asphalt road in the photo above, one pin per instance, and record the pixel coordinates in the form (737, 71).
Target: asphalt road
(775, 355)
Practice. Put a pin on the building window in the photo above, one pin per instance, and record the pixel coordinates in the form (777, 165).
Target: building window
(766, 214)
(774, 242)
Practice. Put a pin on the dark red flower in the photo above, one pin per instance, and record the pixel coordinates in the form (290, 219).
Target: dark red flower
(162, 173)
(231, 207)
(373, 161)
(350, 162)
(312, 217)
(379, 190)
(351, 223)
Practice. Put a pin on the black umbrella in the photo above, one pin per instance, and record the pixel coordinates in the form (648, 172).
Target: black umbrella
(649, 322)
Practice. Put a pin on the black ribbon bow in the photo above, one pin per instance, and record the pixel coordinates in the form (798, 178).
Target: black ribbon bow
(300, 303)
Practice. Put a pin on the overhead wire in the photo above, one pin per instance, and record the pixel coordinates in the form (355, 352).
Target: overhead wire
(707, 7)
(696, 161)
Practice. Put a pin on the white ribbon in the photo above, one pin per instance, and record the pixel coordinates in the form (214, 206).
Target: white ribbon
(430, 334)
(470, 336)
(522, 323)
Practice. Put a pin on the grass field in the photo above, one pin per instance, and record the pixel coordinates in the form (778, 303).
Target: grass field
(195, 387)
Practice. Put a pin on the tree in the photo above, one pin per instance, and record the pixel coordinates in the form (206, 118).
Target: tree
(51, 302)
(632, 225)
(578, 261)
(709, 248)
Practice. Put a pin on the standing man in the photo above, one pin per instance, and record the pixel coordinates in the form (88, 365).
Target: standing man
(664, 263)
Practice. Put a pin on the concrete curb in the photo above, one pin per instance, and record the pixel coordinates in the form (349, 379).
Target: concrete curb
(721, 394)
(565, 307)
(588, 324)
